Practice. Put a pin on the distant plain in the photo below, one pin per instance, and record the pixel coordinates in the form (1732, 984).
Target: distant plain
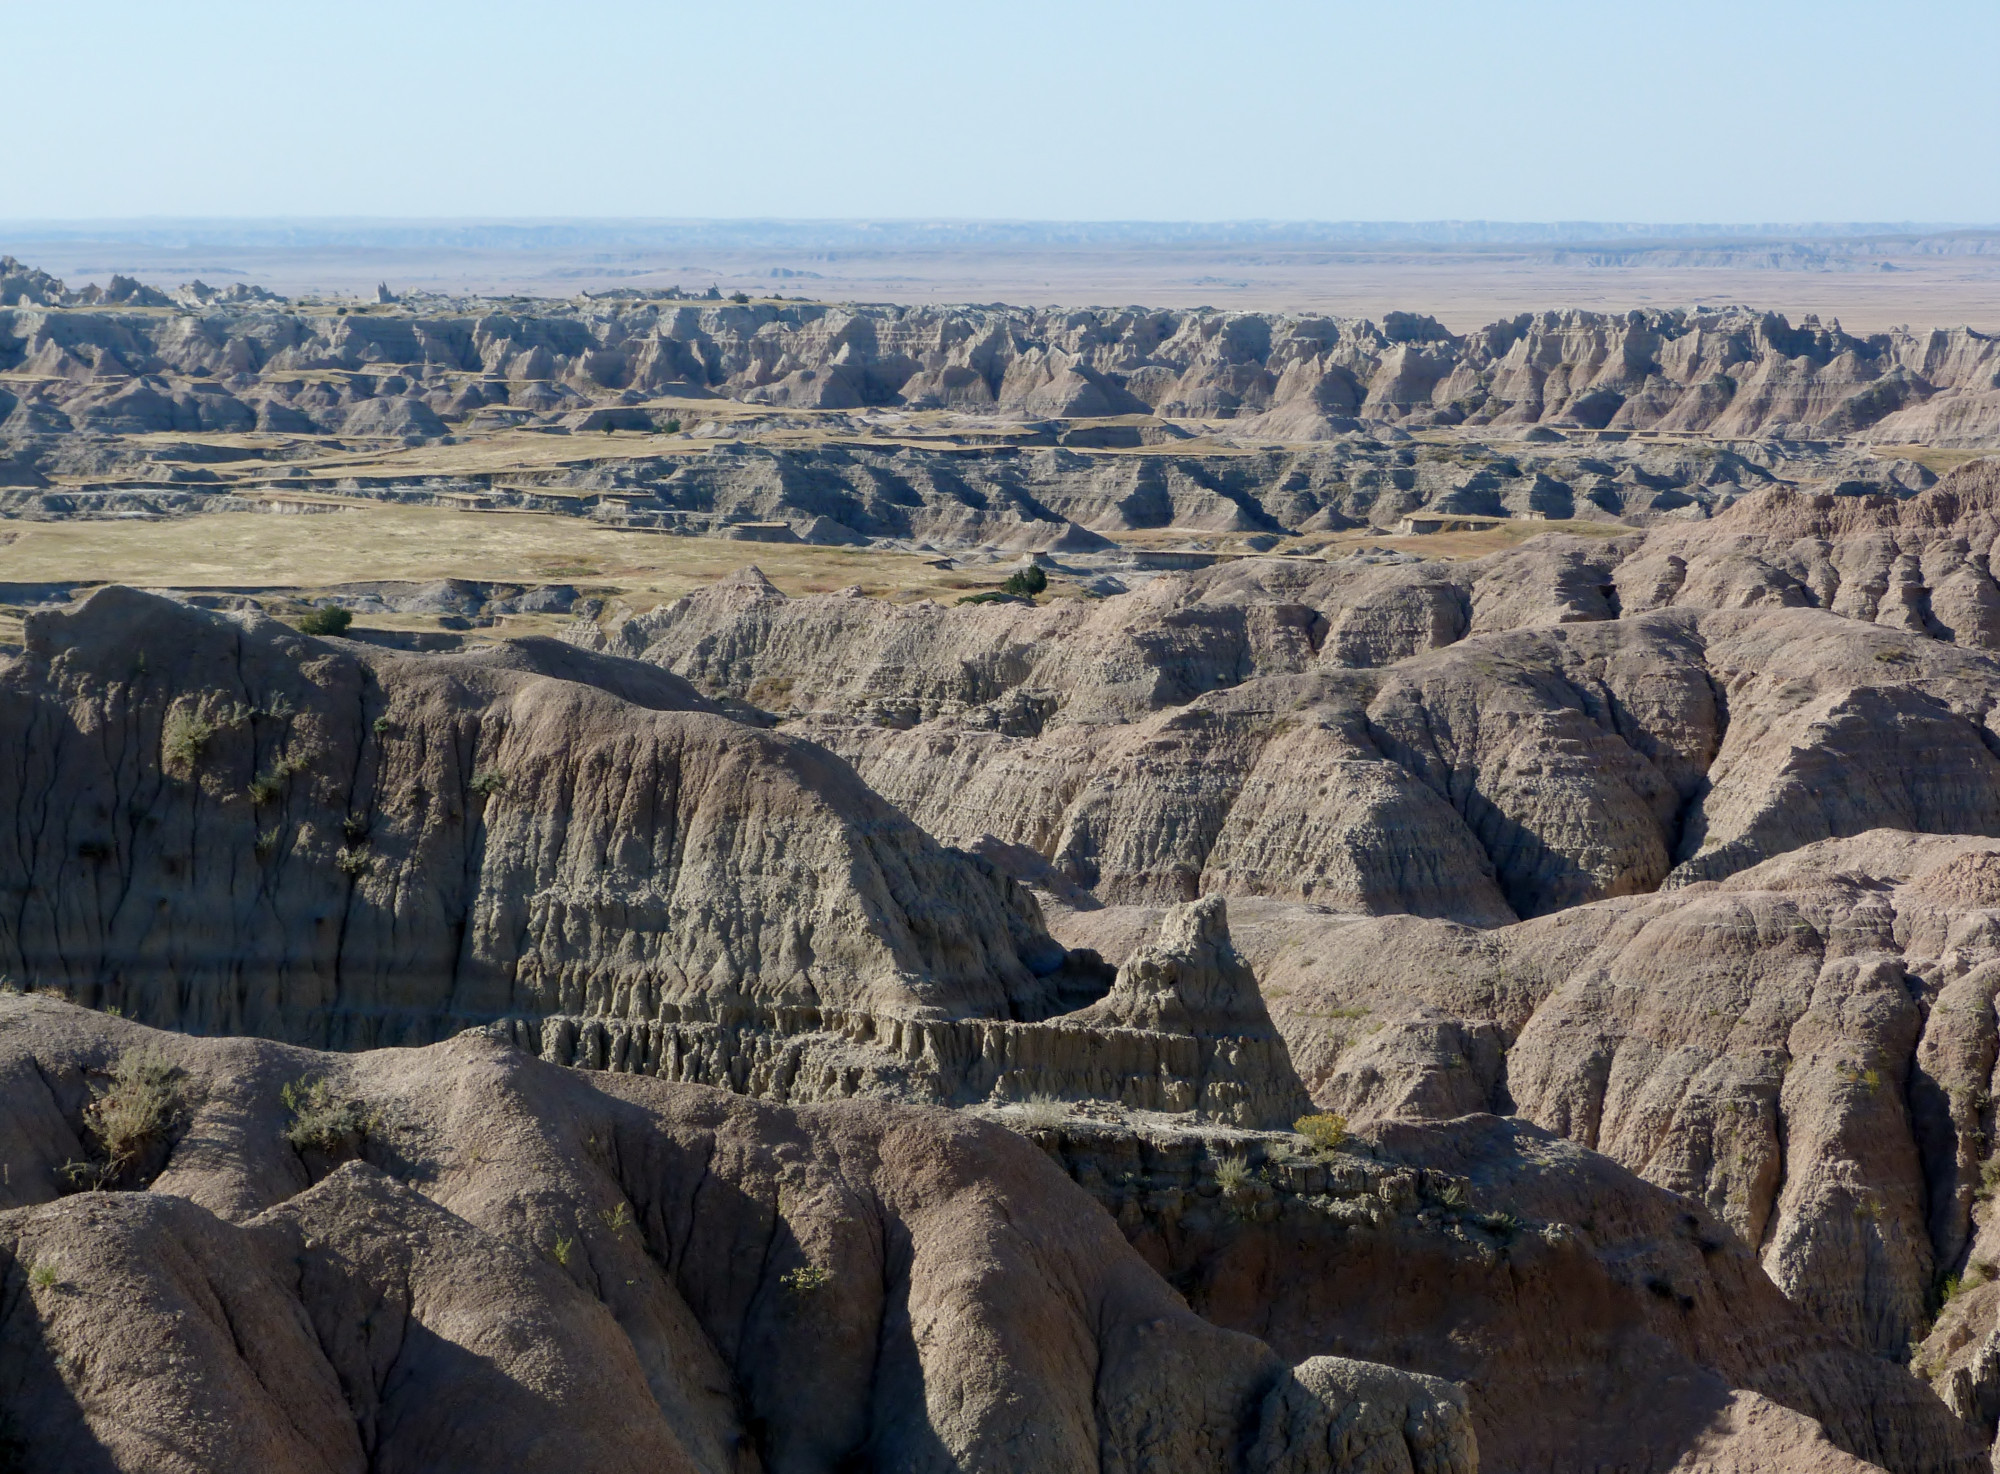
(1870, 282)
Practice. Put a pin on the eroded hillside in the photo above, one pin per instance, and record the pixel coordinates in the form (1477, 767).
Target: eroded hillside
(1285, 1004)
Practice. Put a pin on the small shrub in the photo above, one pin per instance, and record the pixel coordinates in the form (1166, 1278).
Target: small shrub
(991, 596)
(805, 1281)
(1502, 1226)
(44, 1276)
(1989, 1180)
(183, 736)
(618, 1219)
(1232, 1174)
(321, 1120)
(354, 863)
(739, 298)
(1323, 1133)
(673, 427)
(1027, 583)
(332, 620)
(354, 828)
(487, 782)
(269, 786)
(383, 726)
(1451, 1195)
(1041, 1113)
(136, 1110)
(564, 1251)
(267, 839)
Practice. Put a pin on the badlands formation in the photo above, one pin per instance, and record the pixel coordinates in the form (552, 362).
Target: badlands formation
(1446, 918)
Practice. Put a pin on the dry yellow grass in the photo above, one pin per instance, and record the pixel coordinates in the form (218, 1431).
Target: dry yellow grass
(375, 541)
(1931, 457)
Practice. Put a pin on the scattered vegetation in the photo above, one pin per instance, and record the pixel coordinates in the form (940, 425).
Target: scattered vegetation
(1989, 1180)
(1232, 1174)
(383, 726)
(739, 298)
(354, 828)
(128, 1117)
(354, 863)
(1029, 582)
(487, 782)
(1325, 1133)
(1042, 1113)
(332, 620)
(322, 1121)
(805, 1281)
(183, 736)
(672, 427)
(1023, 584)
(44, 1276)
(267, 839)
(269, 786)
(1869, 1080)
(618, 1219)
(564, 1251)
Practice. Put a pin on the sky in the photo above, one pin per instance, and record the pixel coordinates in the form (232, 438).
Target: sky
(1671, 111)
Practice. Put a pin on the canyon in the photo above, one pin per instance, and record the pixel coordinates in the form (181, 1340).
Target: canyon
(1445, 916)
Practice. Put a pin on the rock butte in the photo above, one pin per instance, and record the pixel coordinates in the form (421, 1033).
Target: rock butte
(818, 1033)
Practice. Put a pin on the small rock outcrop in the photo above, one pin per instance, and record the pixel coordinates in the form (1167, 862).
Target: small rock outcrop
(1182, 1030)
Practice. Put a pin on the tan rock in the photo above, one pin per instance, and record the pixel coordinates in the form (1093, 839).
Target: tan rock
(545, 1268)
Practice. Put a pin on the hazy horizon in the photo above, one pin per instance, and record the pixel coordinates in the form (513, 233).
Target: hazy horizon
(1550, 110)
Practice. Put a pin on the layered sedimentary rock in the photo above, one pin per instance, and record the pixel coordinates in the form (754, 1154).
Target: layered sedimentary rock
(1502, 738)
(224, 826)
(1728, 373)
(1179, 1028)
(1806, 1048)
(219, 824)
(1593, 1321)
(487, 1258)
(502, 1263)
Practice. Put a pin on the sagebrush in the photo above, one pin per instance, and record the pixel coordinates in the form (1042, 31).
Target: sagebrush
(131, 1114)
(321, 1120)
(1232, 1174)
(183, 736)
(1324, 1133)
(1041, 1112)
(332, 620)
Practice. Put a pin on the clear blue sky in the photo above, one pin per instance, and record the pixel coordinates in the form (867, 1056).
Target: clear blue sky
(1034, 109)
